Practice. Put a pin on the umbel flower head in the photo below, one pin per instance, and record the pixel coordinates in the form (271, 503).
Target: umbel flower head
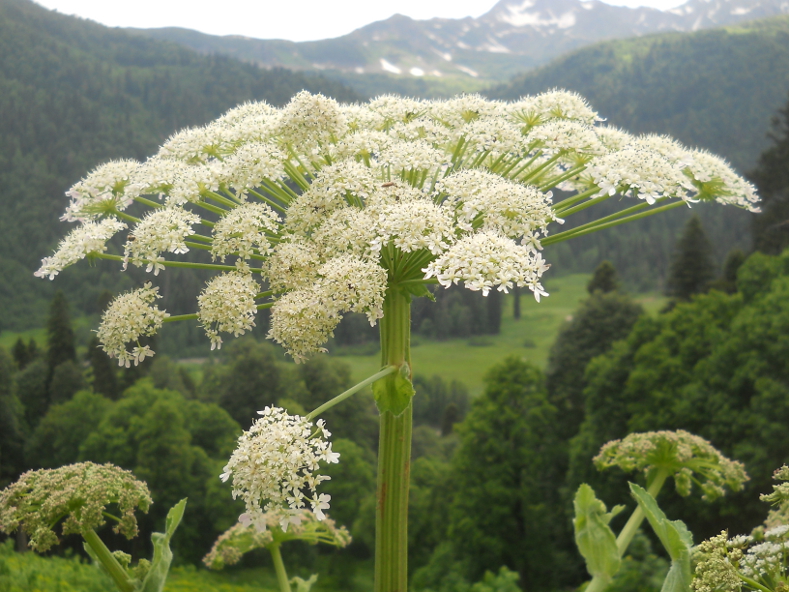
(78, 495)
(328, 206)
(274, 469)
(242, 538)
(687, 458)
(759, 561)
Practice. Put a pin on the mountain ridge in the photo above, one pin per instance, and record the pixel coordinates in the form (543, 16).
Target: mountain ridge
(515, 35)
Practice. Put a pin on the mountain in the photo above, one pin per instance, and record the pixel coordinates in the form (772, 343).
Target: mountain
(74, 94)
(716, 89)
(515, 35)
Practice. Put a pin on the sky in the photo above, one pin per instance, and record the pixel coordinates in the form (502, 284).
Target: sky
(296, 20)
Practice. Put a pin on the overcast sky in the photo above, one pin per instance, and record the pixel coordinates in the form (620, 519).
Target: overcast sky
(297, 20)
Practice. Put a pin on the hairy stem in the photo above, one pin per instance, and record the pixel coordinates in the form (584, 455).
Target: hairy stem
(115, 569)
(394, 454)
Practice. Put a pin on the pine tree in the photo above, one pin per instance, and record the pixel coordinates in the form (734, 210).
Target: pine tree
(493, 304)
(605, 279)
(60, 335)
(516, 303)
(771, 227)
(728, 281)
(20, 354)
(105, 381)
(693, 267)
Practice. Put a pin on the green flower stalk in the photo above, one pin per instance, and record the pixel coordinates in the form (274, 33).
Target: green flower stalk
(77, 496)
(686, 458)
(318, 209)
(242, 538)
(758, 562)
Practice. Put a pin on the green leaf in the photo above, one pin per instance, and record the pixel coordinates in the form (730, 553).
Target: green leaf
(162, 555)
(393, 393)
(595, 539)
(418, 290)
(304, 585)
(676, 539)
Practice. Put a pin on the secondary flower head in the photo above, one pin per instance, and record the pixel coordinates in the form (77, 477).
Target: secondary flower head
(275, 467)
(336, 205)
(688, 458)
(129, 317)
(87, 239)
(77, 494)
(242, 538)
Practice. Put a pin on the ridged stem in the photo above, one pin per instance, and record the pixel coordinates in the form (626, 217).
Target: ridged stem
(394, 454)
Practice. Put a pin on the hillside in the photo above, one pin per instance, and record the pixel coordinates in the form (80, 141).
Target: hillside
(74, 94)
(716, 89)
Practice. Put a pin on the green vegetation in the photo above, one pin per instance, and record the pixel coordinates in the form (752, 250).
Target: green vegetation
(74, 94)
(529, 338)
(716, 89)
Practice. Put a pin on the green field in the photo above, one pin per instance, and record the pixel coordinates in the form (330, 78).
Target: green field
(530, 337)
(466, 360)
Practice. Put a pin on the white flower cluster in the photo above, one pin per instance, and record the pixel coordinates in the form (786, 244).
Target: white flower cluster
(304, 319)
(334, 204)
(274, 468)
(485, 260)
(86, 239)
(101, 192)
(228, 304)
(243, 231)
(160, 231)
(129, 317)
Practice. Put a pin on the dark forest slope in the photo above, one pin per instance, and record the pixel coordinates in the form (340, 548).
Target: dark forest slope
(716, 89)
(73, 94)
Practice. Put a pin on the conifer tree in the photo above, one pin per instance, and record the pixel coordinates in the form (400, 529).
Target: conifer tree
(693, 266)
(105, 381)
(771, 227)
(604, 279)
(32, 351)
(60, 335)
(493, 306)
(601, 320)
(516, 303)
(11, 435)
(728, 281)
(20, 354)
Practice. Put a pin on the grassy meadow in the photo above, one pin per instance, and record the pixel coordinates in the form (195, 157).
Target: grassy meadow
(530, 337)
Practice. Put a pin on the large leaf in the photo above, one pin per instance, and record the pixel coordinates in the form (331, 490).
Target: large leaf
(393, 393)
(595, 539)
(676, 539)
(162, 555)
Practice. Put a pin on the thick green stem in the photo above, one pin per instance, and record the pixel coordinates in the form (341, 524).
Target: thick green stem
(279, 567)
(394, 454)
(629, 531)
(115, 569)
